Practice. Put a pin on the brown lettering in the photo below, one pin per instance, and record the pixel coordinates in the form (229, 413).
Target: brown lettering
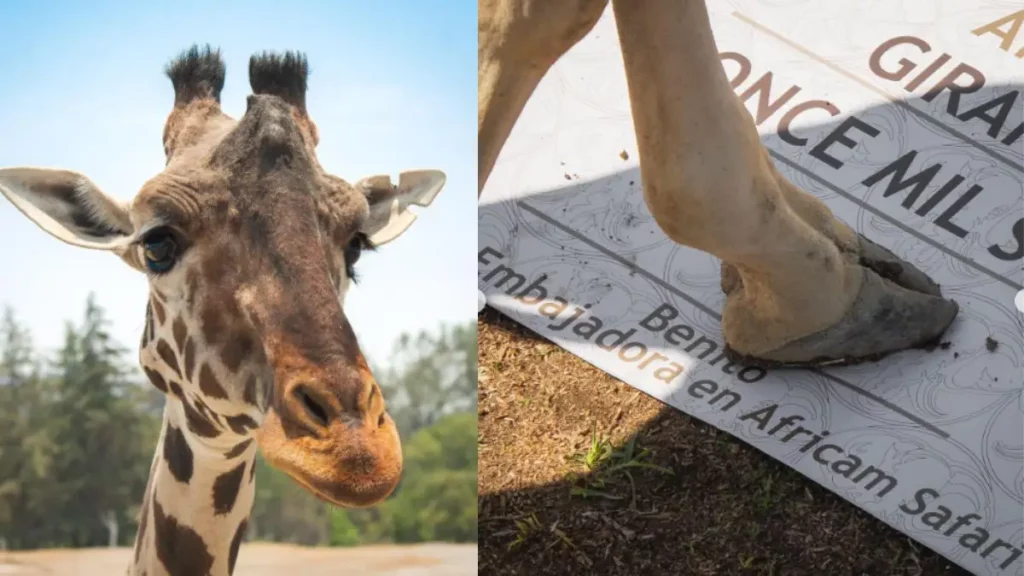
(995, 28)
(906, 66)
(744, 70)
(765, 108)
(787, 119)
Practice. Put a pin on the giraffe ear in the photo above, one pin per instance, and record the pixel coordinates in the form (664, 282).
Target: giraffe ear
(68, 206)
(390, 215)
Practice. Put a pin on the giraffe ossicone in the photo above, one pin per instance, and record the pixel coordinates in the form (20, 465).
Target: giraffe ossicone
(249, 247)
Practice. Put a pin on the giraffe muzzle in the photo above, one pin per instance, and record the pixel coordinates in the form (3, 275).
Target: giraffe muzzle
(329, 430)
(317, 408)
(346, 465)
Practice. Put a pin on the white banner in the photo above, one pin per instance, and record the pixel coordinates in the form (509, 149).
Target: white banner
(853, 99)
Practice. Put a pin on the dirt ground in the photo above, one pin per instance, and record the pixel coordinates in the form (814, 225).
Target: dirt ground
(264, 559)
(567, 485)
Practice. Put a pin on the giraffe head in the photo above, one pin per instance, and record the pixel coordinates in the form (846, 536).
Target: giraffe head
(249, 248)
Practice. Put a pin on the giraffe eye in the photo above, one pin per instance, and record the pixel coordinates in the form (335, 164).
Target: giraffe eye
(353, 251)
(160, 250)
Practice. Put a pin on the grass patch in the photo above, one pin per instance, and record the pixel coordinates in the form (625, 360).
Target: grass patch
(604, 467)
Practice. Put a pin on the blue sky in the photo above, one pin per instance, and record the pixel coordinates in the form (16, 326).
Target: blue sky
(392, 87)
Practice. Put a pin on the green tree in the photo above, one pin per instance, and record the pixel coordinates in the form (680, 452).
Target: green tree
(283, 511)
(102, 437)
(438, 499)
(431, 375)
(15, 375)
(344, 532)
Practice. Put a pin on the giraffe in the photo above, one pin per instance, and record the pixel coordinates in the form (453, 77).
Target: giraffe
(249, 247)
(803, 289)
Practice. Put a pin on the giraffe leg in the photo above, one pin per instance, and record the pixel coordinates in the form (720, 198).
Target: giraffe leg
(518, 41)
(803, 288)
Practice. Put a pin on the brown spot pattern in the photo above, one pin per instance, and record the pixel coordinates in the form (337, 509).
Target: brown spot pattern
(167, 355)
(209, 385)
(159, 310)
(252, 472)
(235, 543)
(241, 424)
(190, 358)
(156, 379)
(191, 286)
(178, 455)
(179, 331)
(179, 548)
(214, 270)
(265, 397)
(213, 323)
(249, 394)
(197, 423)
(205, 410)
(237, 450)
(175, 389)
(235, 351)
(225, 489)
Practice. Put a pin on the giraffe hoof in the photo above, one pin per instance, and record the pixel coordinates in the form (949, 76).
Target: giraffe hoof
(892, 267)
(897, 308)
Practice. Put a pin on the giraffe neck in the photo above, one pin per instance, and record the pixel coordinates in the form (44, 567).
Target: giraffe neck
(197, 502)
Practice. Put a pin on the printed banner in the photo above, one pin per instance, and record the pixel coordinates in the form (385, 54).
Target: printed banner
(907, 119)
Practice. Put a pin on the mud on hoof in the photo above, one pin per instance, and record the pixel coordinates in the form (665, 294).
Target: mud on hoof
(892, 267)
(897, 308)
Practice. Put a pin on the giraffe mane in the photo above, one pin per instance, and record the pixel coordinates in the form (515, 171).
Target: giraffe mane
(283, 75)
(197, 73)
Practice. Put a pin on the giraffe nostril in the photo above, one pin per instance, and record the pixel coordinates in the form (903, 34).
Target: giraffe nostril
(314, 408)
(380, 420)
